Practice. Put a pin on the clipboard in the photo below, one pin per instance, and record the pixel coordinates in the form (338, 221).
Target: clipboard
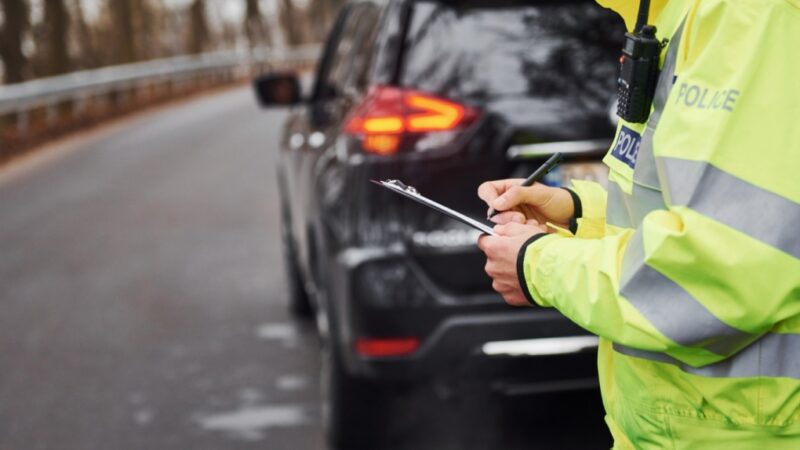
(401, 188)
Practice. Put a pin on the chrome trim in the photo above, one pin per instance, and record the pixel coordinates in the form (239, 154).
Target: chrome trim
(548, 148)
(540, 347)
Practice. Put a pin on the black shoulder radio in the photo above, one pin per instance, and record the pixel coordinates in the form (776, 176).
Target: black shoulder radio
(638, 72)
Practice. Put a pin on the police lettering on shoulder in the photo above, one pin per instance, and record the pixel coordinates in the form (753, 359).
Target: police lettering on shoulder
(695, 96)
(626, 149)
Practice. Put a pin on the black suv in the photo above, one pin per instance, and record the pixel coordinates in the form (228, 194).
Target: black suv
(442, 95)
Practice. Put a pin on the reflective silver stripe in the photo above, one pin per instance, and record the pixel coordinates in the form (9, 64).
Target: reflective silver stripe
(645, 354)
(644, 201)
(645, 172)
(616, 207)
(627, 211)
(633, 258)
(672, 310)
(773, 355)
(725, 198)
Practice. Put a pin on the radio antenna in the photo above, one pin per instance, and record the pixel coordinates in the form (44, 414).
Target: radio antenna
(644, 12)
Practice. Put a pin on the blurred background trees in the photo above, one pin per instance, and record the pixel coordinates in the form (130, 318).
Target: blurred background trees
(255, 28)
(14, 27)
(41, 38)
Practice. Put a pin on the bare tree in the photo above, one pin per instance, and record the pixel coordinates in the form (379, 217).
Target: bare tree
(122, 31)
(64, 37)
(145, 29)
(171, 29)
(54, 56)
(16, 24)
(289, 19)
(86, 54)
(317, 18)
(321, 14)
(198, 27)
(254, 26)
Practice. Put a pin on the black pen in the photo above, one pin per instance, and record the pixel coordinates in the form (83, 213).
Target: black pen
(536, 176)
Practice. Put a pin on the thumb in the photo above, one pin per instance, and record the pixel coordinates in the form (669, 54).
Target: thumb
(536, 195)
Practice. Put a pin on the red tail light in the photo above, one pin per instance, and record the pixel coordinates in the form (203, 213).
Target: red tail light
(387, 113)
(386, 346)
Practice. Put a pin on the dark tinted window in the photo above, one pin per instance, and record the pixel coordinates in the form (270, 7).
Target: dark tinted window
(486, 50)
(363, 48)
(348, 67)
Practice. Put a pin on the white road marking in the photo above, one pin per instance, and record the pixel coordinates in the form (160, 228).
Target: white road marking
(136, 398)
(277, 331)
(143, 417)
(250, 396)
(292, 382)
(250, 423)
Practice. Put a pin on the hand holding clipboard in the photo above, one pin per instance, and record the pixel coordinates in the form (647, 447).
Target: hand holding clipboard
(410, 192)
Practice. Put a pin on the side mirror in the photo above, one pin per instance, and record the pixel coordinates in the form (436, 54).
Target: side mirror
(277, 89)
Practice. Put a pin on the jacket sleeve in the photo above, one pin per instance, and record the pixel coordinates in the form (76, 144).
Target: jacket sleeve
(682, 284)
(589, 199)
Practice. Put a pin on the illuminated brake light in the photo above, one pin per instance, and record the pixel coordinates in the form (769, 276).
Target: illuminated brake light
(386, 346)
(387, 113)
(383, 125)
(382, 144)
(439, 115)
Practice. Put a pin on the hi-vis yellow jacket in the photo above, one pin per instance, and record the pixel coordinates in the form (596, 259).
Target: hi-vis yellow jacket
(688, 267)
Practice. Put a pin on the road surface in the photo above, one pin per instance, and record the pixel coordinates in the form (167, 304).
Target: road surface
(142, 299)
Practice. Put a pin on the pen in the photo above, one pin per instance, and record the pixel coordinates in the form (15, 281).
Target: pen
(536, 176)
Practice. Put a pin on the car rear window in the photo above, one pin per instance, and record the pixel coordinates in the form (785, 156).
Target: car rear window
(486, 50)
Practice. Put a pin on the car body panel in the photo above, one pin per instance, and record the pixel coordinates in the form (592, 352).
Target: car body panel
(377, 265)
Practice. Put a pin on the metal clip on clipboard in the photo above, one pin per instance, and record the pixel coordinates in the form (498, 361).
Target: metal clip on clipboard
(410, 192)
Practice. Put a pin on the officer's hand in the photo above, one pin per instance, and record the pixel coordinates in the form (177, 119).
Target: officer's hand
(519, 204)
(501, 258)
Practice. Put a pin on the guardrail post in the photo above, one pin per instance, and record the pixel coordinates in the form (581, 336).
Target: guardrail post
(50, 113)
(23, 121)
(79, 107)
(123, 97)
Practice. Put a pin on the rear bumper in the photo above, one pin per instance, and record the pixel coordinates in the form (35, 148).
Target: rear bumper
(476, 337)
(521, 352)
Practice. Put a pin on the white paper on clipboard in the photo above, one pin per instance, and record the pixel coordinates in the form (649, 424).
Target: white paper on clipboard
(408, 191)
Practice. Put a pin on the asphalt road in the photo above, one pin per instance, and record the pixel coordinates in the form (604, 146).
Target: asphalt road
(142, 300)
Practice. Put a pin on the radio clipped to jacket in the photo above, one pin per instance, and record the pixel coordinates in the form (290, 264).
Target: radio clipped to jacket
(638, 73)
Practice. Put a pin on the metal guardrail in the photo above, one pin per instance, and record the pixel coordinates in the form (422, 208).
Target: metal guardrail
(79, 87)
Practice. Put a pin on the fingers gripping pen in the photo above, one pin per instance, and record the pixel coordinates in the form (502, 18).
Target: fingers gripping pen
(536, 176)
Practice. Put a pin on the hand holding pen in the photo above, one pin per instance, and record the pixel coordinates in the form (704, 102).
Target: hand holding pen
(517, 200)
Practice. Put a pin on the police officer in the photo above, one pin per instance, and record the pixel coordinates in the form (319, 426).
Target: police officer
(688, 265)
